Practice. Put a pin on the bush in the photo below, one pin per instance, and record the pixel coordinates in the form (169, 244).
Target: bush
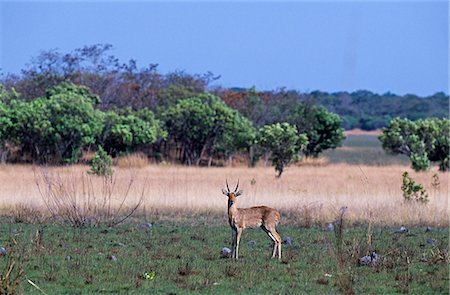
(101, 164)
(203, 126)
(413, 191)
(423, 141)
(283, 143)
(53, 128)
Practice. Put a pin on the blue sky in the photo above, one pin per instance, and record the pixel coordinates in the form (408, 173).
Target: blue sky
(396, 46)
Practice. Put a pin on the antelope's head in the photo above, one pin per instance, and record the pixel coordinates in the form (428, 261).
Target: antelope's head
(231, 194)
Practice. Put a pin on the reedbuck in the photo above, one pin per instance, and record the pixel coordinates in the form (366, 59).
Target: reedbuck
(240, 218)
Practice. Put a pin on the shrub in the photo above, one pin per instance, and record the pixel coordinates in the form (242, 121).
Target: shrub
(283, 143)
(101, 164)
(413, 191)
(423, 141)
(86, 200)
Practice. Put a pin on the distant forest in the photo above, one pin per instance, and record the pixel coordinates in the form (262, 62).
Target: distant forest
(360, 109)
(124, 85)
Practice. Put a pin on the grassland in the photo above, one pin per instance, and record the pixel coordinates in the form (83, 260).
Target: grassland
(184, 258)
(304, 195)
(188, 213)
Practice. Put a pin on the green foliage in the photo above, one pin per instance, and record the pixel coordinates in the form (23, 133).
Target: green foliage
(125, 131)
(423, 141)
(413, 191)
(203, 124)
(369, 111)
(321, 127)
(263, 108)
(283, 143)
(54, 128)
(101, 164)
(238, 134)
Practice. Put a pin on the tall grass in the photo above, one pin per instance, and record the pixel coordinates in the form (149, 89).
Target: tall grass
(305, 195)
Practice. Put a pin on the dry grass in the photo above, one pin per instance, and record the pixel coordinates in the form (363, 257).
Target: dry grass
(305, 195)
(136, 160)
(315, 162)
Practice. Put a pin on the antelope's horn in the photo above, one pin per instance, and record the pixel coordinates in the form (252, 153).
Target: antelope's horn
(227, 185)
(237, 186)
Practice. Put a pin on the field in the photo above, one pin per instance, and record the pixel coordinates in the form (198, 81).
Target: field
(184, 258)
(188, 213)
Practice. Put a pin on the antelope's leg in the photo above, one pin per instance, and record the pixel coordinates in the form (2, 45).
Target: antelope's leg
(271, 236)
(277, 236)
(238, 238)
(233, 243)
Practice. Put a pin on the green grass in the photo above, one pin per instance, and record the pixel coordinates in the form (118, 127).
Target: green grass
(185, 259)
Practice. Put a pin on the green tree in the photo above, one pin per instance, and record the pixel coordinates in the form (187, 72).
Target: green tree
(238, 134)
(283, 143)
(125, 131)
(321, 126)
(203, 124)
(423, 141)
(54, 128)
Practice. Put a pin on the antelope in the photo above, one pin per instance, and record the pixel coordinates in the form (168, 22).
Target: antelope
(241, 218)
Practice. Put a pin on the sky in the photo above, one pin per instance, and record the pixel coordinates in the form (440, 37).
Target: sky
(396, 46)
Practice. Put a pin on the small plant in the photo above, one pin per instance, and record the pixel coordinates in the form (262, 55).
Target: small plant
(12, 271)
(344, 277)
(413, 191)
(85, 200)
(148, 275)
(10, 277)
(101, 164)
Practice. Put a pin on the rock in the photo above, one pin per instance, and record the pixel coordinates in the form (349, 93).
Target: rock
(251, 243)
(112, 258)
(401, 230)
(225, 252)
(119, 244)
(287, 241)
(431, 242)
(369, 260)
(145, 226)
(68, 257)
(329, 227)
(3, 251)
(428, 229)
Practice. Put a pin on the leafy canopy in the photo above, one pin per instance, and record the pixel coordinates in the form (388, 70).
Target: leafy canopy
(283, 143)
(423, 141)
(55, 127)
(203, 125)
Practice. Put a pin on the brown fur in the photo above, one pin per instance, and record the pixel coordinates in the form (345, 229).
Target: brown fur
(261, 216)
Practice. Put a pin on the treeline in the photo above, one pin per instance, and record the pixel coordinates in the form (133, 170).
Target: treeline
(121, 85)
(55, 128)
(360, 109)
(64, 103)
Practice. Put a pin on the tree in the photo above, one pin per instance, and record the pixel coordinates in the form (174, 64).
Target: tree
(55, 128)
(283, 143)
(423, 141)
(202, 124)
(238, 134)
(124, 131)
(321, 127)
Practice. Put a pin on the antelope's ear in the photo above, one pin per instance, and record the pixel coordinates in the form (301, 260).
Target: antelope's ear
(239, 193)
(224, 192)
